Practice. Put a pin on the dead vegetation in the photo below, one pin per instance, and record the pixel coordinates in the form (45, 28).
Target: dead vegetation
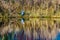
(36, 9)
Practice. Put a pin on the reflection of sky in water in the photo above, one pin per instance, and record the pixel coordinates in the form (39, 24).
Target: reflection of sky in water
(57, 36)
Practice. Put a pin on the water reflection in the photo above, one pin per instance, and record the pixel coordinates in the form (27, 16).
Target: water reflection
(57, 36)
(34, 29)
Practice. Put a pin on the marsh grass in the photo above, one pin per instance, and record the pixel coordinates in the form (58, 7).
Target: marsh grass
(41, 16)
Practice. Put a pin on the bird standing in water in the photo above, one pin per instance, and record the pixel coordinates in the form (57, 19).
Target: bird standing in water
(22, 13)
